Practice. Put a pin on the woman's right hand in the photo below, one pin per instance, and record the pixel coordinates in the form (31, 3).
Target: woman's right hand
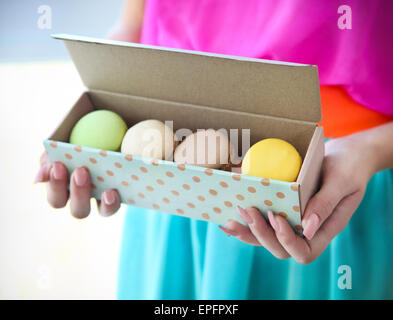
(56, 176)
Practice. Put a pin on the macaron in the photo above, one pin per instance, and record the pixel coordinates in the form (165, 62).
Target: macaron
(150, 139)
(272, 158)
(206, 148)
(101, 129)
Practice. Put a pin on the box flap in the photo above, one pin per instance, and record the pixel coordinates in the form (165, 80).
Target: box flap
(279, 89)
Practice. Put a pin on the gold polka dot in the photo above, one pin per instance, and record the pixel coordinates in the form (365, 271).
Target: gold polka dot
(280, 195)
(154, 162)
(236, 177)
(228, 204)
(201, 198)
(205, 216)
(298, 227)
(265, 182)
(128, 157)
(224, 184)
(174, 192)
(149, 188)
(53, 144)
(159, 181)
(78, 148)
(251, 189)
(180, 211)
(240, 197)
(213, 192)
(141, 195)
(268, 203)
(191, 205)
(93, 161)
(86, 168)
(217, 210)
(130, 201)
(209, 172)
(134, 177)
(93, 186)
(125, 183)
(109, 173)
(166, 200)
(156, 206)
(169, 174)
(283, 214)
(68, 156)
(118, 165)
(196, 179)
(101, 179)
(103, 153)
(143, 169)
(294, 187)
(296, 208)
(186, 187)
(181, 166)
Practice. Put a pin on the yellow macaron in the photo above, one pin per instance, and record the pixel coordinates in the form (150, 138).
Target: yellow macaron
(274, 159)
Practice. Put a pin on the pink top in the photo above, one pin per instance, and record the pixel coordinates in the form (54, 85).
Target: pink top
(304, 31)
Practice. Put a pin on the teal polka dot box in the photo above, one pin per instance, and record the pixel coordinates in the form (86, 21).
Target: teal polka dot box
(194, 90)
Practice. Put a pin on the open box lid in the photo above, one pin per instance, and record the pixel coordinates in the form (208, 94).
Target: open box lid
(285, 90)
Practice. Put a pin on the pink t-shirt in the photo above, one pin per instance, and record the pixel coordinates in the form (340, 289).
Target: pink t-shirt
(352, 45)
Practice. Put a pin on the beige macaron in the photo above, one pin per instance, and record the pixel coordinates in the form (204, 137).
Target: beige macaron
(150, 139)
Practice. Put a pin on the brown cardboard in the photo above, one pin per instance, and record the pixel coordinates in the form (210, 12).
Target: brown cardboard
(232, 83)
(198, 90)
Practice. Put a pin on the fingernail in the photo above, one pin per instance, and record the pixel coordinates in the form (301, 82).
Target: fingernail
(311, 226)
(80, 177)
(57, 170)
(228, 231)
(109, 197)
(273, 221)
(244, 214)
(40, 175)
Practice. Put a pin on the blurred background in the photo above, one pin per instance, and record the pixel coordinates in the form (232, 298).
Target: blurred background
(44, 252)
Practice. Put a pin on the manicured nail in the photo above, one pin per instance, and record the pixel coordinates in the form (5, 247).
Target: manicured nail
(80, 177)
(228, 231)
(109, 197)
(273, 221)
(244, 214)
(57, 170)
(311, 226)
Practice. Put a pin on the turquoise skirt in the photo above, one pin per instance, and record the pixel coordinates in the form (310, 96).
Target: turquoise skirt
(171, 257)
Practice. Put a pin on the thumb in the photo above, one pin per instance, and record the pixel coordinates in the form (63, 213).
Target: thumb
(321, 206)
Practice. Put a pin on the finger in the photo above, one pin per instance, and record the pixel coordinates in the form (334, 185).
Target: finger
(44, 158)
(57, 193)
(321, 206)
(339, 218)
(80, 193)
(241, 232)
(43, 174)
(263, 232)
(297, 247)
(109, 204)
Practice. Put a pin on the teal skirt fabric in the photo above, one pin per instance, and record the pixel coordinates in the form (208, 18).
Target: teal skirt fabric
(171, 257)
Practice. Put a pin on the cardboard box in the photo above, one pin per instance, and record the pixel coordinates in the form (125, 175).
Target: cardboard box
(195, 90)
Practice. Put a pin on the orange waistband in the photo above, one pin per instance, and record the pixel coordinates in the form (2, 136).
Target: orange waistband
(342, 116)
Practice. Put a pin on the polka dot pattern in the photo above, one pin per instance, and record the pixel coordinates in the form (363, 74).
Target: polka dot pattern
(196, 192)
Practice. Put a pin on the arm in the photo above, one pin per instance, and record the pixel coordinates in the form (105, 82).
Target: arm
(129, 27)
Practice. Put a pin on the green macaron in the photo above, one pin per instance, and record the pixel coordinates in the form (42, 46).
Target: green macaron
(101, 129)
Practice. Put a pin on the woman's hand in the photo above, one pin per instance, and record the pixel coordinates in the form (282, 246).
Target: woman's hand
(56, 176)
(348, 165)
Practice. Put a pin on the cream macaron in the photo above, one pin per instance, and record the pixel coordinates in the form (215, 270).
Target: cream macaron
(150, 139)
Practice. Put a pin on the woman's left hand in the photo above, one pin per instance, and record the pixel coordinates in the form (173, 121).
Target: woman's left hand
(347, 167)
